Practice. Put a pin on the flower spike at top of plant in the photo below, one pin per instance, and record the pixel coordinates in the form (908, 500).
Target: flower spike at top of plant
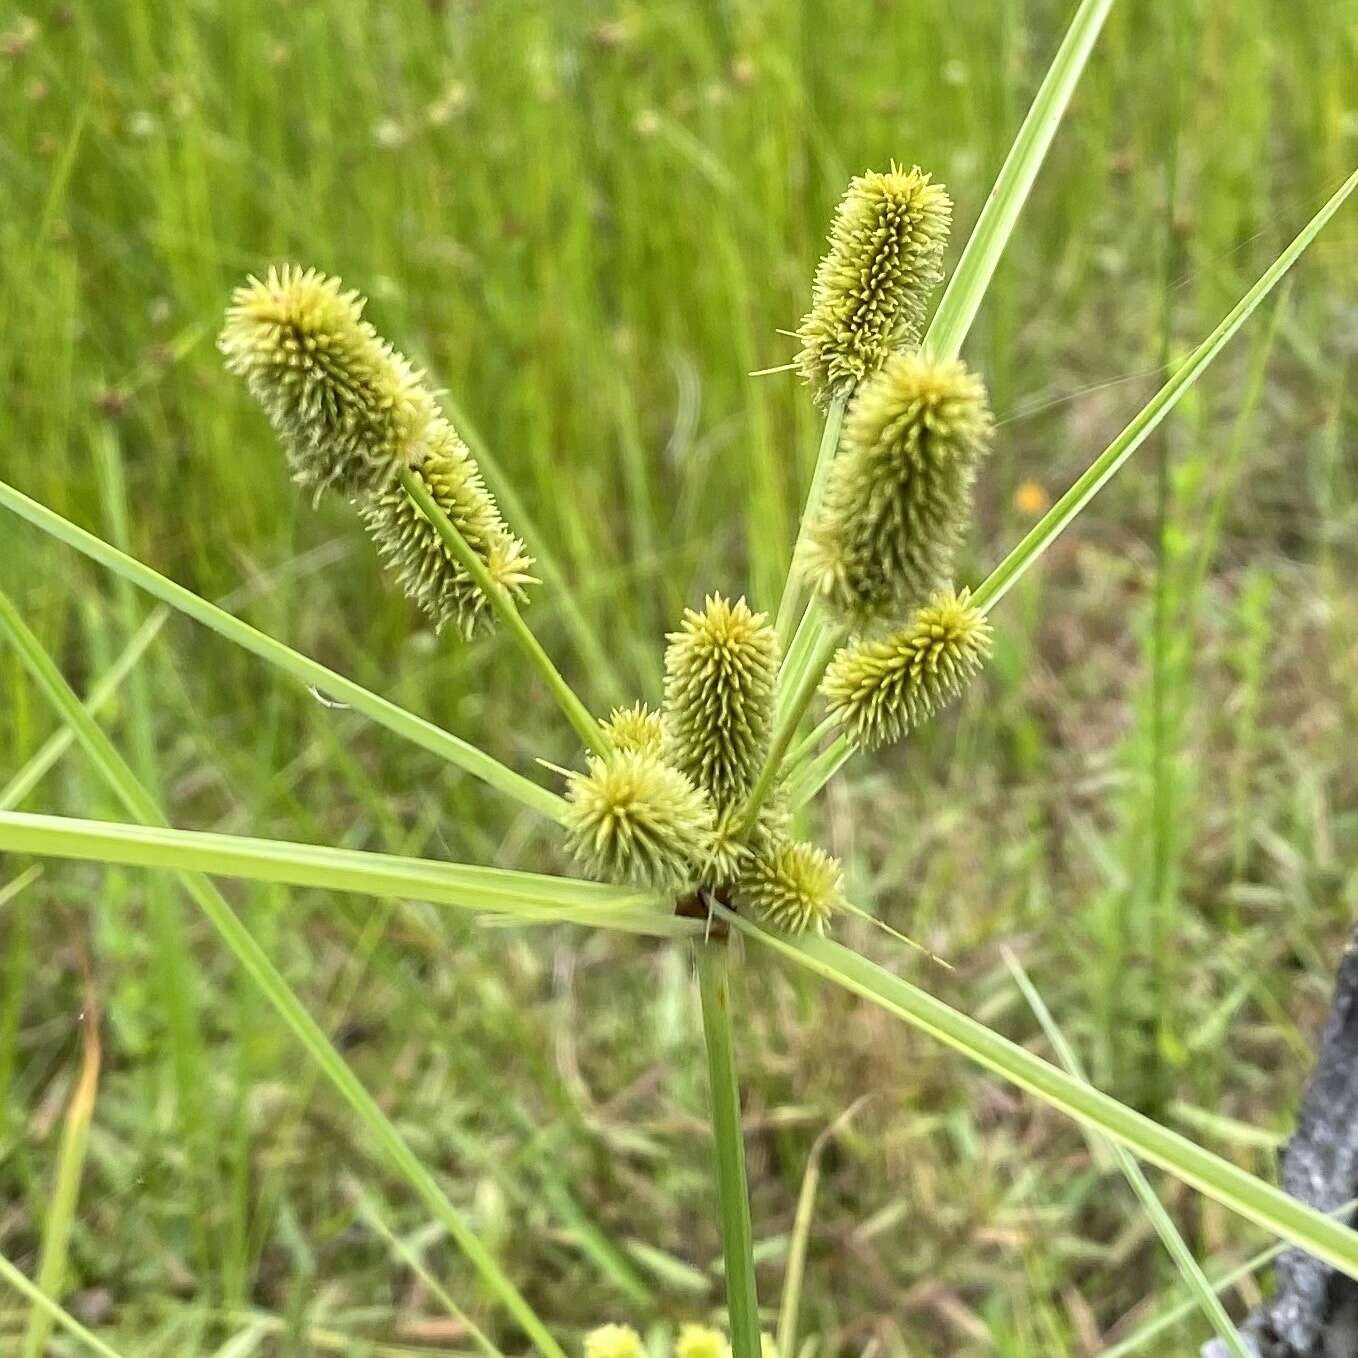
(350, 410)
(793, 885)
(873, 284)
(633, 820)
(878, 690)
(420, 559)
(899, 494)
(638, 729)
(720, 668)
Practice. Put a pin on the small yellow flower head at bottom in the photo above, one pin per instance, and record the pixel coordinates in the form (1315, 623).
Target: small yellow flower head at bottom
(614, 1341)
(349, 409)
(701, 1341)
(880, 689)
(412, 547)
(637, 729)
(730, 852)
(792, 885)
(634, 820)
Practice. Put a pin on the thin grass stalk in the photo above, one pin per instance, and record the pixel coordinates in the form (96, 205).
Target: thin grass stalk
(304, 670)
(1194, 1278)
(1023, 557)
(36, 1297)
(134, 797)
(1200, 1169)
(576, 712)
(737, 1237)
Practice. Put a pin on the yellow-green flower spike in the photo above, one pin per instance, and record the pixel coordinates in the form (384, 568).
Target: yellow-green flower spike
(878, 690)
(700, 1341)
(638, 729)
(348, 408)
(873, 284)
(614, 1341)
(898, 498)
(793, 886)
(412, 547)
(731, 850)
(720, 668)
(634, 820)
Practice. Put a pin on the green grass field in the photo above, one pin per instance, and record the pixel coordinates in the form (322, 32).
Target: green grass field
(590, 223)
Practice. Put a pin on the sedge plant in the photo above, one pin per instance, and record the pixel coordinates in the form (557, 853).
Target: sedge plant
(675, 822)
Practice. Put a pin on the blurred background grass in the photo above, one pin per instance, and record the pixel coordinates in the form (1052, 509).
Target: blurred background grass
(590, 222)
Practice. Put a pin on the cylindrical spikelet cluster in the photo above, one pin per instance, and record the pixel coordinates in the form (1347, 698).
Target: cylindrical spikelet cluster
(878, 690)
(792, 885)
(898, 497)
(352, 415)
(632, 819)
(872, 286)
(720, 668)
(411, 546)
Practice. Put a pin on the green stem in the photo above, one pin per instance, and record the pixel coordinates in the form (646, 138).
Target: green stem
(737, 1238)
(785, 726)
(142, 807)
(299, 667)
(503, 602)
(825, 456)
(1041, 536)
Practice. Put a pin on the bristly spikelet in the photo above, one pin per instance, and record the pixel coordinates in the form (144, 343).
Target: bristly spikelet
(634, 820)
(873, 284)
(898, 498)
(349, 409)
(792, 885)
(700, 1341)
(719, 672)
(614, 1341)
(730, 850)
(412, 547)
(878, 690)
(637, 729)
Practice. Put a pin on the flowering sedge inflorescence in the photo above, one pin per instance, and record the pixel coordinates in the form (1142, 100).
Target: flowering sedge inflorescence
(353, 416)
(694, 1341)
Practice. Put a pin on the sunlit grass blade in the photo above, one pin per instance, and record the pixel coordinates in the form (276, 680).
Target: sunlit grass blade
(39, 1299)
(967, 287)
(299, 667)
(1008, 573)
(1194, 1278)
(65, 1194)
(271, 983)
(1212, 1176)
(737, 1240)
(466, 886)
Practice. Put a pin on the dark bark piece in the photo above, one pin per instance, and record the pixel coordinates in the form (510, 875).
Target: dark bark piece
(1313, 1312)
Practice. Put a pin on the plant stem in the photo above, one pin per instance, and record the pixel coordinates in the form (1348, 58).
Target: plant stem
(825, 456)
(737, 1237)
(788, 719)
(503, 602)
(270, 981)
(299, 667)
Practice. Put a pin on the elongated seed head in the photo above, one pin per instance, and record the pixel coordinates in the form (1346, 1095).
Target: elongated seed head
(898, 497)
(411, 546)
(614, 1341)
(634, 820)
(349, 409)
(878, 690)
(637, 729)
(873, 284)
(719, 671)
(792, 885)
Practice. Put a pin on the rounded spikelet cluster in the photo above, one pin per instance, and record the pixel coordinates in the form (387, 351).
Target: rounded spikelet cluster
(637, 729)
(634, 820)
(898, 497)
(700, 1341)
(720, 668)
(614, 1341)
(349, 409)
(730, 850)
(792, 885)
(878, 690)
(411, 546)
(872, 286)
